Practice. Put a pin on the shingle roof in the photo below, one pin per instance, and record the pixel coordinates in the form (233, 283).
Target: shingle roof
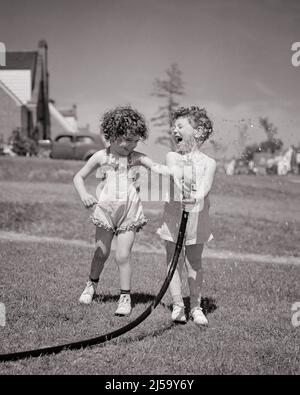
(21, 61)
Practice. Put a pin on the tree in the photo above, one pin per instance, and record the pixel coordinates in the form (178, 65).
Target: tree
(249, 151)
(167, 89)
(272, 144)
(22, 145)
(242, 138)
(217, 147)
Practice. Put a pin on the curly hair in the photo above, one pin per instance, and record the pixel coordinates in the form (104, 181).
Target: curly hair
(123, 120)
(198, 118)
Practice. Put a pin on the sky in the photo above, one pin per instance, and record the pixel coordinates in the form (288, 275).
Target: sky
(234, 55)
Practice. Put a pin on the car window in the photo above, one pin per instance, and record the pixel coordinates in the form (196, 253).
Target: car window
(64, 139)
(84, 140)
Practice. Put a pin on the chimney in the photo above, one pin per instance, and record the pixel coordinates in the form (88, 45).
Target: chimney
(74, 111)
(43, 55)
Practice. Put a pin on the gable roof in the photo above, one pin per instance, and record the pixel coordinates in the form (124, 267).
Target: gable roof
(21, 60)
(10, 93)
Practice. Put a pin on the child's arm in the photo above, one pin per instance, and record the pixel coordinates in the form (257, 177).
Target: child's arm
(156, 167)
(87, 199)
(177, 172)
(207, 181)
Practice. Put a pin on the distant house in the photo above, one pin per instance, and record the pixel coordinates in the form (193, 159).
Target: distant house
(62, 120)
(24, 97)
(84, 129)
(261, 158)
(70, 114)
(24, 93)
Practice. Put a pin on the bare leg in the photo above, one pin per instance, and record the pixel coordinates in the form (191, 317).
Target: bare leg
(103, 239)
(175, 284)
(124, 245)
(193, 262)
(101, 253)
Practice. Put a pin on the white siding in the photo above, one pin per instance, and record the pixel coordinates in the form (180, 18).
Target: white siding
(61, 119)
(72, 121)
(19, 82)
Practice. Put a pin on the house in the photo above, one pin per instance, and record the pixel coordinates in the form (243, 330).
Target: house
(24, 93)
(70, 114)
(62, 120)
(24, 97)
(281, 162)
(84, 129)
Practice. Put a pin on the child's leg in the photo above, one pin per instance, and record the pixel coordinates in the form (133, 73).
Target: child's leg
(193, 262)
(175, 284)
(178, 314)
(124, 245)
(103, 239)
(101, 253)
(125, 242)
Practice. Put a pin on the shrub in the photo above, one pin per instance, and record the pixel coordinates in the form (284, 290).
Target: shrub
(22, 144)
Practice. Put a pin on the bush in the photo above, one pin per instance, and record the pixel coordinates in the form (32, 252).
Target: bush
(22, 144)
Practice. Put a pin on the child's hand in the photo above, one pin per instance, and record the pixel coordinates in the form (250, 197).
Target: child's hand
(187, 201)
(88, 200)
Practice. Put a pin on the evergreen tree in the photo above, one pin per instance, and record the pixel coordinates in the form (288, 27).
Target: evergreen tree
(167, 89)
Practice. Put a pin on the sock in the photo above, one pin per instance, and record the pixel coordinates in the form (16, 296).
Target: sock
(195, 301)
(177, 299)
(94, 280)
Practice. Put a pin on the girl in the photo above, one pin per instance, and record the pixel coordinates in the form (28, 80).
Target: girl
(191, 128)
(119, 210)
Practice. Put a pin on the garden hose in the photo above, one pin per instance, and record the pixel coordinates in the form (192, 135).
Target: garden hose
(111, 335)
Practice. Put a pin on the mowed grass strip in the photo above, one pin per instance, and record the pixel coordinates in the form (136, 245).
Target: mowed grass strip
(238, 224)
(248, 307)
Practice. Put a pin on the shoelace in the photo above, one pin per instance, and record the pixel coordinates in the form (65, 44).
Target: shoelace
(197, 310)
(178, 308)
(87, 288)
(124, 298)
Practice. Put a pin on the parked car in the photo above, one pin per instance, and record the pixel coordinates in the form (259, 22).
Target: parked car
(79, 146)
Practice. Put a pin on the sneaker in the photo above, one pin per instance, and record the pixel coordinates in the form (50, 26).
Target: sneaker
(198, 316)
(178, 314)
(88, 293)
(124, 306)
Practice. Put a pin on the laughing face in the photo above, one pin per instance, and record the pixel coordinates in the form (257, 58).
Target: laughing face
(183, 133)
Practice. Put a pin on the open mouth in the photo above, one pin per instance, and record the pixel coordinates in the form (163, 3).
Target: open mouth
(178, 139)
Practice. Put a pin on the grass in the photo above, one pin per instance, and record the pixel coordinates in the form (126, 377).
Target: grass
(248, 304)
(53, 209)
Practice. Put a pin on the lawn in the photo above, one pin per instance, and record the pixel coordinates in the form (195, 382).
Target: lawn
(248, 304)
(248, 307)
